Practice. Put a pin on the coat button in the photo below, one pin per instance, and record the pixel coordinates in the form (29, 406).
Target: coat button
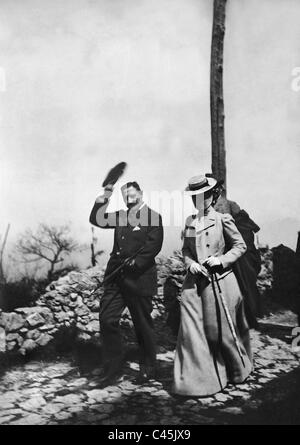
(207, 245)
(207, 233)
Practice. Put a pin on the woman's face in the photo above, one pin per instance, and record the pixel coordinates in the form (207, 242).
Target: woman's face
(202, 202)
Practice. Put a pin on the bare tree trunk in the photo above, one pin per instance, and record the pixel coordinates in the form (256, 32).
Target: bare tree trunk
(93, 256)
(298, 246)
(216, 92)
(2, 276)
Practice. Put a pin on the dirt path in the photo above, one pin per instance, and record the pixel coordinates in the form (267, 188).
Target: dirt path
(63, 392)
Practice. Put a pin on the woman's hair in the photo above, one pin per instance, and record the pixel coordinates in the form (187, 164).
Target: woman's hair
(215, 193)
(205, 196)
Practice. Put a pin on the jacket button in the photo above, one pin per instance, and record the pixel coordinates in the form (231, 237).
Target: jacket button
(207, 245)
(207, 233)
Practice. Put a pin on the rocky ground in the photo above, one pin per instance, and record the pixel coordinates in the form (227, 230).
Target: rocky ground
(65, 390)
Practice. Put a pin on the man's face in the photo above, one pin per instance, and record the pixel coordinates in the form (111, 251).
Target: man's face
(132, 196)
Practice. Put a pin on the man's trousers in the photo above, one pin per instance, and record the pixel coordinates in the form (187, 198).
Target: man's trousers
(113, 302)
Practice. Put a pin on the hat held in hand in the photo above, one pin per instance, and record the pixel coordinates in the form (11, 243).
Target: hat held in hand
(114, 174)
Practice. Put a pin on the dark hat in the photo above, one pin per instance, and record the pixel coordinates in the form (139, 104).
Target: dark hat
(114, 174)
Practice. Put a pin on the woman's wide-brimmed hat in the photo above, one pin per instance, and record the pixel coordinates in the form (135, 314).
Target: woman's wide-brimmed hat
(200, 184)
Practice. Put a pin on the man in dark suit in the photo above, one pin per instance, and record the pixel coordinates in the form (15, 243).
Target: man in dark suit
(135, 228)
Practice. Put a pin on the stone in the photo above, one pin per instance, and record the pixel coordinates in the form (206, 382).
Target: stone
(9, 397)
(32, 419)
(2, 341)
(82, 311)
(25, 311)
(60, 316)
(6, 406)
(35, 320)
(222, 397)
(73, 296)
(11, 346)
(76, 409)
(237, 393)
(33, 404)
(6, 419)
(93, 326)
(33, 335)
(11, 322)
(234, 410)
(47, 327)
(28, 346)
(53, 408)
(44, 339)
(78, 382)
(83, 336)
(263, 381)
(97, 372)
(190, 402)
(70, 399)
(14, 412)
(51, 389)
(98, 395)
(14, 338)
(105, 408)
(63, 416)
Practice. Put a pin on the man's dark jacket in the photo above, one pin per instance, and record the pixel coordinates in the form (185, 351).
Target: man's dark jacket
(133, 229)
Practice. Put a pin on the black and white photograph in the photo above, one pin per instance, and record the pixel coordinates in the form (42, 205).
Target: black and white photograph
(150, 215)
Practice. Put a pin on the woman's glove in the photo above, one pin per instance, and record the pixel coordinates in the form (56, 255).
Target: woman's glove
(212, 262)
(196, 268)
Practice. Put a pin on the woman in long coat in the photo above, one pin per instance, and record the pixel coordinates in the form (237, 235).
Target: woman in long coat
(207, 357)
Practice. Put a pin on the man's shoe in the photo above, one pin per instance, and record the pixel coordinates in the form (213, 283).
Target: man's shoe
(146, 373)
(111, 372)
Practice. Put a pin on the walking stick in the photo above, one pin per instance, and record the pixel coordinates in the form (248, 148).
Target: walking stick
(118, 269)
(228, 317)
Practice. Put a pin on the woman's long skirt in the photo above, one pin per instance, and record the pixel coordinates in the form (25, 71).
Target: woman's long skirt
(206, 357)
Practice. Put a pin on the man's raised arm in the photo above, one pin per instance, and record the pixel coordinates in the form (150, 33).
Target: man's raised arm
(99, 216)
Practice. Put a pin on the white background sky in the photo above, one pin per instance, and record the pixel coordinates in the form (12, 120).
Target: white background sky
(93, 82)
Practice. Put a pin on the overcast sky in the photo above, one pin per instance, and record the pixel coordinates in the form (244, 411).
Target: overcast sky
(93, 82)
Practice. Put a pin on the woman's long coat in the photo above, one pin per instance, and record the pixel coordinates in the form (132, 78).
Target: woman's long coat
(206, 356)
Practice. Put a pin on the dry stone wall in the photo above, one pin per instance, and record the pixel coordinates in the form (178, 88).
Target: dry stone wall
(70, 304)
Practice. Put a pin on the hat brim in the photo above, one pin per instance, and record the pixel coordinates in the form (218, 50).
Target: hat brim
(211, 185)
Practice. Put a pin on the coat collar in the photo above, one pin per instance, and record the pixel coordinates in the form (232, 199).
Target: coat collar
(211, 215)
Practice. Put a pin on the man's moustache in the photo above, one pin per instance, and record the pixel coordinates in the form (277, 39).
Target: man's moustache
(132, 203)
